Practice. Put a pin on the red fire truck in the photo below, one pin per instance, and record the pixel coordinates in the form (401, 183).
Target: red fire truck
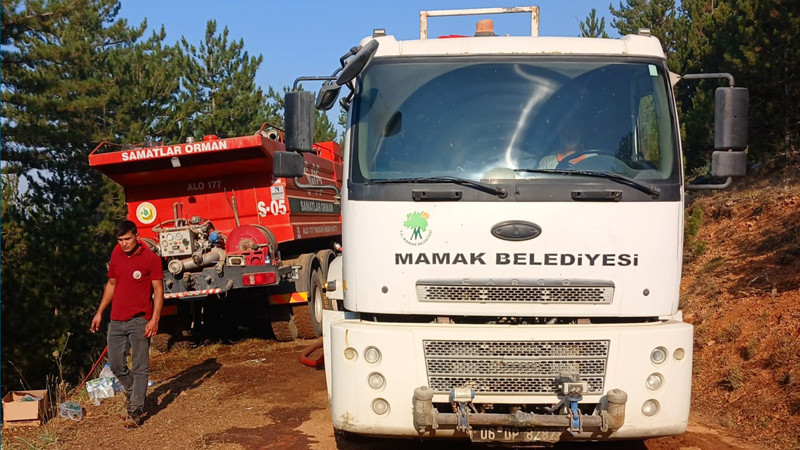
(225, 228)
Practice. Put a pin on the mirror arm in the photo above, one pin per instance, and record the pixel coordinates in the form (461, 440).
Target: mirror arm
(298, 80)
(702, 76)
(352, 52)
(709, 187)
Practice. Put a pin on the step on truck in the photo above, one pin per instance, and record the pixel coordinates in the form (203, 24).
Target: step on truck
(513, 233)
(227, 230)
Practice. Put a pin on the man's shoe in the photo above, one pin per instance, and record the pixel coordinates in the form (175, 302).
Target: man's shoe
(134, 419)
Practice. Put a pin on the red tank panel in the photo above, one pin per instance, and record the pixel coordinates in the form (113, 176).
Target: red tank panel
(207, 178)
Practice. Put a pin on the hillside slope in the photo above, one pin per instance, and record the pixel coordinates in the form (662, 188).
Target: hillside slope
(741, 290)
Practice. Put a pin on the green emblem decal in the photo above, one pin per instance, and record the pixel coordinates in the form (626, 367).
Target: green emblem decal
(146, 212)
(416, 230)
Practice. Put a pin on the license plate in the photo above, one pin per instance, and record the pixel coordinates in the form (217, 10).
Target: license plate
(508, 434)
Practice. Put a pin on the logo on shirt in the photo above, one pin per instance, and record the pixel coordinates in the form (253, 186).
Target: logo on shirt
(137, 274)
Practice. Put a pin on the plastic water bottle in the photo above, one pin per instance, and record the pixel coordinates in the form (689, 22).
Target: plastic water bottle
(107, 373)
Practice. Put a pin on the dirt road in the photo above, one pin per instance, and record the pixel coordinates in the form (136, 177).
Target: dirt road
(253, 394)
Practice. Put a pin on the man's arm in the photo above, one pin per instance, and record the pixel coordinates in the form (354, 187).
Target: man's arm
(108, 294)
(151, 328)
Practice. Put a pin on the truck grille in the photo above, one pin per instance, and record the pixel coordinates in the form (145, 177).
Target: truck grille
(514, 367)
(539, 291)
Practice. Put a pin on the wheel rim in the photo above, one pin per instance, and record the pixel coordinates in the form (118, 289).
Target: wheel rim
(317, 302)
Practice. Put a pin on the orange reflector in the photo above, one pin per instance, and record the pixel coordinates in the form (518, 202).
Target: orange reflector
(259, 278)
(294, 297)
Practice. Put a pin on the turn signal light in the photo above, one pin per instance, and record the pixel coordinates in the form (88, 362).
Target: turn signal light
(259, 278)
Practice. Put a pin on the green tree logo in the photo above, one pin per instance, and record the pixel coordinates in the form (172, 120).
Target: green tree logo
(417, 224)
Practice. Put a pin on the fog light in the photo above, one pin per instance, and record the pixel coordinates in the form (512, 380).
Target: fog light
(380, 406)
(376, 380)
(658, 355)
(654, 381)
(679, 354)
(350, 353)
(372, 355)
(650, 408)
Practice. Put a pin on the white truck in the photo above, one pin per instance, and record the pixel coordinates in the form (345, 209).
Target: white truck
(512, 236)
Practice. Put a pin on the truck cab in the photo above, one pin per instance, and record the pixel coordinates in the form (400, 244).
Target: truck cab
(513, 234)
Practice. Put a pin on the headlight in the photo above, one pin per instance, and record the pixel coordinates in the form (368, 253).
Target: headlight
(650, 408)
(350, 353)
(679, 354)
(654, 381)
(380, 406)
(372, 355)
(376, 380)
(658, 355)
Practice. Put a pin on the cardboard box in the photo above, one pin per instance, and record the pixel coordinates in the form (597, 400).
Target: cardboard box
(18, 412)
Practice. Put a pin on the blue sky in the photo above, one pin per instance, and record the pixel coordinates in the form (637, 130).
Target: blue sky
(307, 37)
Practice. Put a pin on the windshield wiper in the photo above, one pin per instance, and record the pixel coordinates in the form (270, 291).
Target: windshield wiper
(654, 191)
(483, 187)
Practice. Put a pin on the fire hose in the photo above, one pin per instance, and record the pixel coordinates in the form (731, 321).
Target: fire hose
(105, 350)
(311, 362)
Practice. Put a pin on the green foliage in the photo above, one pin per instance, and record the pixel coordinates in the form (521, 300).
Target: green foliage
(733, 378)
(756, 41)
(75, 75)
(218, 94)
(748, 352)
(59, 98)
(591, 27)
(659, 16)
(693, 220)
(730, 333)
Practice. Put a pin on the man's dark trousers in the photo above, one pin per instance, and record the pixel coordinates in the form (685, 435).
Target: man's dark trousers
(129, 336)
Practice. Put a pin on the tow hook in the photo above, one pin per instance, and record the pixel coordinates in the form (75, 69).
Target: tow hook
(565, 414)
(460, 398)
(573, 389)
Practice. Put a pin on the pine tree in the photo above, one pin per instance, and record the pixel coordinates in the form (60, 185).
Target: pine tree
(218, 94)
(149, 81)
(660, 16)
(591, 27)
(767, 61)
(61, 95)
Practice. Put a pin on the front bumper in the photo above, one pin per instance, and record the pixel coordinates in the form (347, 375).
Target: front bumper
(361, 403)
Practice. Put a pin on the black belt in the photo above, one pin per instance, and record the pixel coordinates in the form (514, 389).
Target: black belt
(141, 314)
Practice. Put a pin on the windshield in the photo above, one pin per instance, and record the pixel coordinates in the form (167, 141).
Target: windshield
(495, 119)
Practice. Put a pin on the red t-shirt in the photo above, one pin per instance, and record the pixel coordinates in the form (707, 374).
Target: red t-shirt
(133, 277)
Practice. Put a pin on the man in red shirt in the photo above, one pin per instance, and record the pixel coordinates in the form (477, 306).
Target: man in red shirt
(135, 292)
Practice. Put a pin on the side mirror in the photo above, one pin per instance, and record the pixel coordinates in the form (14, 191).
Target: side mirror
(356, 64)
(327, 95)
(299, 118)
(287, 164)
(730, 118)
(728, 164)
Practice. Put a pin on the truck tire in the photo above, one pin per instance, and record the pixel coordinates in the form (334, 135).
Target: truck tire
(281, 318)
(325, 257)
(161, 342)
(310, 281)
